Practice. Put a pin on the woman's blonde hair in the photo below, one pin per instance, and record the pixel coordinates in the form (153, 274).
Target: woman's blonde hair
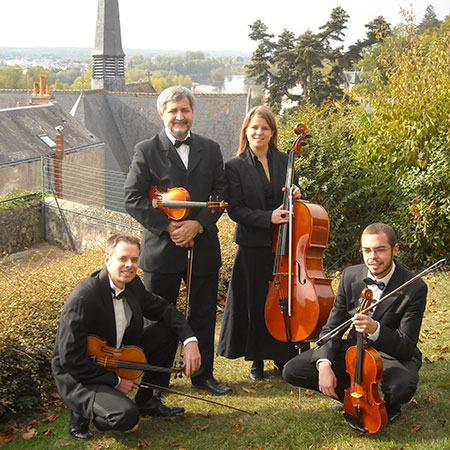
(265, 113)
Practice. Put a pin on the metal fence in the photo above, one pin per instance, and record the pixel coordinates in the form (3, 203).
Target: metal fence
(84, 192)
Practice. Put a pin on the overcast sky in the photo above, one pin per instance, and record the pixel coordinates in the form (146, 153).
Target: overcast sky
(191, 25)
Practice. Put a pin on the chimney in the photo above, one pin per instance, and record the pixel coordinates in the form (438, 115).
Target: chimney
(59, 155)
(41, 95)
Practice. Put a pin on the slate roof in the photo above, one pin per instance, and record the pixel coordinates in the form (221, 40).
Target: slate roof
(122, 119)
(20, 128)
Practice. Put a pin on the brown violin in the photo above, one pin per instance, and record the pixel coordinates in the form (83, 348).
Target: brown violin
(176, 202)
(300, 296)
(127, 362)
(363, 407)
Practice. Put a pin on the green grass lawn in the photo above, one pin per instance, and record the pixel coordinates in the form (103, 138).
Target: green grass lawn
(281, 420)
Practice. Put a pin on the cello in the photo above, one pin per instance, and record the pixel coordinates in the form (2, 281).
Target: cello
(300, 296)
(363, 408)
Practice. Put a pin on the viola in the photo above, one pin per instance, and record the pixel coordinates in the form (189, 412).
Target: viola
(128, 361)
(363, 407)
(176, 202)
(300, 296)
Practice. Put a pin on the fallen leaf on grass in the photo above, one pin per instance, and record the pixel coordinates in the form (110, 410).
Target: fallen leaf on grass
(238, 426)
(429, 398)
(50, 418)
(293, 395)
(309, 392)
(415, 428)
(294, 404)
(48, 431)
(207, 414)
(441, 348)
(268, 386)
(413, 402)
(249, 391)
(427, 360)
(200, 427)
(442, 422)
(31, 433)
(141, 444)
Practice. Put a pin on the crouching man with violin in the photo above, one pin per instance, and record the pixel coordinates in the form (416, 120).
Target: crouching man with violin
(392, 329)
(105, 312)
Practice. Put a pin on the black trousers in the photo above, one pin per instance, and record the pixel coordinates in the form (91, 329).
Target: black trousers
(201, 311)
(113, 410)
(400, 378)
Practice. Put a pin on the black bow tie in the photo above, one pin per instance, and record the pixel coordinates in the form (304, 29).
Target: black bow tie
(187, 141)
(117, 296)
(370, 281)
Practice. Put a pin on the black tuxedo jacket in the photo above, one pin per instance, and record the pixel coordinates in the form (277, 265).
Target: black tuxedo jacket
(247, 204)
(89, 311)
(400, 316)
(157, 163)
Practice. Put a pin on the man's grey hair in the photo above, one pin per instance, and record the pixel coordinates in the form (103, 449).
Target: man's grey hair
(174, 94)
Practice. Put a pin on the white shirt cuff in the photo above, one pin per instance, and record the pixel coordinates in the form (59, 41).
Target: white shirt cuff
(374, 336)
(191, 339)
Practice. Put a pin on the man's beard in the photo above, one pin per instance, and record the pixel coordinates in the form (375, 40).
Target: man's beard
(180, 133)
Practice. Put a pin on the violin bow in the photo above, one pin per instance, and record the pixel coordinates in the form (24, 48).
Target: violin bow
(323, 340)
(172, 391)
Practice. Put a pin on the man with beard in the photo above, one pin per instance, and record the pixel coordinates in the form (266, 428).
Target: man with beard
(393, 328)
(178, 158)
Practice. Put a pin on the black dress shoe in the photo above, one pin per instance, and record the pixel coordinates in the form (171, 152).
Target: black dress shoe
(257, 370)
(393, 415)
(154, 407)
(79, 427)
(213, 386)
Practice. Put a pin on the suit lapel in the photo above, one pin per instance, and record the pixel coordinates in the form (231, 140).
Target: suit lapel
(172, 153)
(394, 283)
(357, 287)
(195, 154)
(107, 301)
(253, 178)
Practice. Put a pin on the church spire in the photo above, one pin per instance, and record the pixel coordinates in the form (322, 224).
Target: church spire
(108, 66)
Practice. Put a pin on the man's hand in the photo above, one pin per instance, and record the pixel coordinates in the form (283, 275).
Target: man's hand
(192, 358)
(327, 379)
(183, 233)
(364, 324)
(126, 386)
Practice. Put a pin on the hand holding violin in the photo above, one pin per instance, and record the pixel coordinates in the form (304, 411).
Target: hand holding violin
(126, 386)
(364, 324)
(183, 233)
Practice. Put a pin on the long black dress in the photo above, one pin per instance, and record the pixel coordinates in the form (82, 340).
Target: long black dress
(251, 199)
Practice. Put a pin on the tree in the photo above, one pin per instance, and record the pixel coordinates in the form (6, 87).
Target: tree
(310, 60)
(429, 21)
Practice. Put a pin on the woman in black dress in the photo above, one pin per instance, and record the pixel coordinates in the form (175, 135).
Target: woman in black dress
(256, 177)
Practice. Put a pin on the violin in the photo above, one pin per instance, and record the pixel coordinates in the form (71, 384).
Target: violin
(363, 407)
(300, 296)
(127, 362)
(176, 202)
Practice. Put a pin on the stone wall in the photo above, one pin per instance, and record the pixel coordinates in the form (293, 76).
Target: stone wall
(81, 227)
(20, 227)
